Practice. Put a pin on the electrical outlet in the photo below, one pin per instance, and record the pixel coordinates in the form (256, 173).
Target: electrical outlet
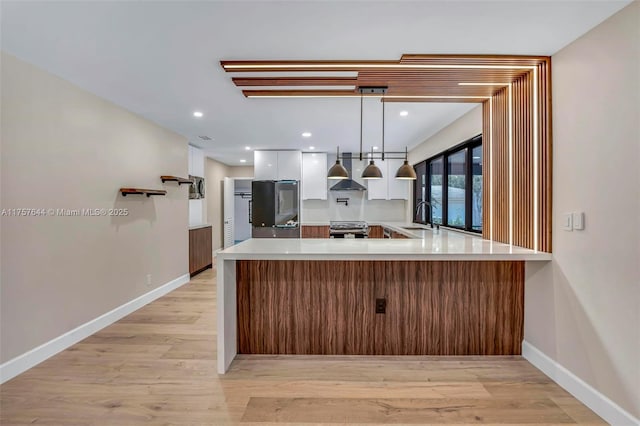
(148, 280)
(381, 306)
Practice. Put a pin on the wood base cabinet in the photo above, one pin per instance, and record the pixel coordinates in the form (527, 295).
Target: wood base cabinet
(380, 307)
(315, 231)
(200, 250)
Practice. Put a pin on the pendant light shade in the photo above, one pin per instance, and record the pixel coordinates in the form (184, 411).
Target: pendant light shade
(406, 171)
(337, 171)
(372, 171)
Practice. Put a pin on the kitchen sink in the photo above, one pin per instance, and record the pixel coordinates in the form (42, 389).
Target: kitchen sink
(415, 228)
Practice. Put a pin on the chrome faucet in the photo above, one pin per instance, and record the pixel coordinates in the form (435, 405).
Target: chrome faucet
(420, 205)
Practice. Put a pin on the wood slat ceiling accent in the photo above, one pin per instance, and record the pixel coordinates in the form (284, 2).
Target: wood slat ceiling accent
(453, 99)
(295, 81)
(514, 60)
(408, 76)
(288, 66)
(301, 93)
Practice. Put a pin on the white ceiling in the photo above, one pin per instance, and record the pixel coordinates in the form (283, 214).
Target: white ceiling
(161, 59)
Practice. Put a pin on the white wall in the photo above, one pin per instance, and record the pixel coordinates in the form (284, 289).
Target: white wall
(466, 127)
(64, 148)
(582, 309)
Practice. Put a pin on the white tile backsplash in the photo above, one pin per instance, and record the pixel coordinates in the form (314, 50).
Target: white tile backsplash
(359, 208)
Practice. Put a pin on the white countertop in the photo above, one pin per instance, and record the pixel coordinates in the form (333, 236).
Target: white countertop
(425, 245)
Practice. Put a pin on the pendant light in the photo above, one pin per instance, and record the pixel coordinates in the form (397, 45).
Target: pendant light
(337, 171)
(371, 171)
(406, 171)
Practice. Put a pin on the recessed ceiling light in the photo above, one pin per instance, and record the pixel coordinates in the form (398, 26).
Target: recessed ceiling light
(404, 113)
(243, 160)
(197, 114)
(375, 148)
(306, 135)
(248, 148)
(312, 148)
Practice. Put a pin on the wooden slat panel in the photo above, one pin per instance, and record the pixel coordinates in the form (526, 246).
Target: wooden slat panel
(433, 308)
(438, 100)
(294, 81)
(545, 156)
(523, 162)
(301, 93)
(501, 166)
(515, 60)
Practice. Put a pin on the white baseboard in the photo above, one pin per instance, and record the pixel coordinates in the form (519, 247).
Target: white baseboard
(585, 393)
(35, 356)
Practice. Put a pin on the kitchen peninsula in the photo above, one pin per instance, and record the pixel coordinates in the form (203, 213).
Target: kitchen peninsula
(444, 293)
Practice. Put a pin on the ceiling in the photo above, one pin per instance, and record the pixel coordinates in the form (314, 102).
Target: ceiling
(161, 60)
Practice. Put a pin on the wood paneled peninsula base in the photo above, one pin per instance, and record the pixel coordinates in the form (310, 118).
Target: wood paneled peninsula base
(375, 297)
(430, 307)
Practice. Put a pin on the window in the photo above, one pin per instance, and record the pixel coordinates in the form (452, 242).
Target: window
(459, 203)
(476, 188)
(436, 171)
(456, 188)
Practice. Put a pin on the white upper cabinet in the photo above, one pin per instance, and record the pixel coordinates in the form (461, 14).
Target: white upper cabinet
(289, 165)
(265, 165)
(277, 165)
(196, 161)
(314, 176)
(388, 188)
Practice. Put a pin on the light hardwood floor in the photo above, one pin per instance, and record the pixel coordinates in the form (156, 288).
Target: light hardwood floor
(157, 366)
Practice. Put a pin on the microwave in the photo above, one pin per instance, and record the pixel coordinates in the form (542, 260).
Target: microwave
(196, 189)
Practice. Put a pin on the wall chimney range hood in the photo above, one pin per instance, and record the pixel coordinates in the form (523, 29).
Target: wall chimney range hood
(347, 184)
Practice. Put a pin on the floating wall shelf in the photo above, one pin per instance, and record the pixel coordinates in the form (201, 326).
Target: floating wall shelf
(175, 179)
(147, 192)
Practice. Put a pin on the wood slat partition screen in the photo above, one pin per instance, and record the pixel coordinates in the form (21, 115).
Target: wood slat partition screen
(520, 158)
(528, 197)
(329, 307)
(500, 161)
(523, 164)
(544, 156)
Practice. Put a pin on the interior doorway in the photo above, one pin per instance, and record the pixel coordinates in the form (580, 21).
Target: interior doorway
(237, 210)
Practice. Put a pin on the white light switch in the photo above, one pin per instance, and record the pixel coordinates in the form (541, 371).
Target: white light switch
(567, 222)
(578, 221)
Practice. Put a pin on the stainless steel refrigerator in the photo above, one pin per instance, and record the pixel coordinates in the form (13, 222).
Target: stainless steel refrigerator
(275, 209)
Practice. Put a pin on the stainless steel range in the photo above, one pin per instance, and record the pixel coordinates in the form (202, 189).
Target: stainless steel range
(356, 229)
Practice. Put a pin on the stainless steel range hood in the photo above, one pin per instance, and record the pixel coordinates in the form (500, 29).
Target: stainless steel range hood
(348, 184)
